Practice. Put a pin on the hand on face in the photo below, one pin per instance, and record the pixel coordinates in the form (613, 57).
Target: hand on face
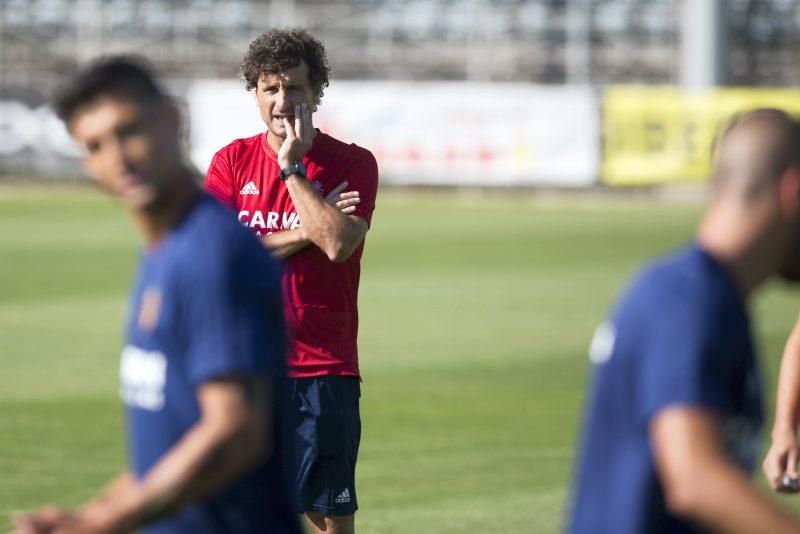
(299, 136)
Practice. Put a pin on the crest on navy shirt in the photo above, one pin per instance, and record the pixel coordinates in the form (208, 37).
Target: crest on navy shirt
(149, 309)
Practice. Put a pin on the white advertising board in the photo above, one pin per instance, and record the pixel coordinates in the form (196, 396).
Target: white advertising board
(432, 133)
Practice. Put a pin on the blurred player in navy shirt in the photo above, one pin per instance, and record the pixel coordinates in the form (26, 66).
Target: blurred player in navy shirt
(674, 413)
(203, 369)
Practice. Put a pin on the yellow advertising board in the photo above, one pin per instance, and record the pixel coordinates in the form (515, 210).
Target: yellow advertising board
(663, 134)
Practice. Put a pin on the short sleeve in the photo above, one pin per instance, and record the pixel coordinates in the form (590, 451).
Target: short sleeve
(680, 361)
(362, 176)
(219, 180)
(233, 316)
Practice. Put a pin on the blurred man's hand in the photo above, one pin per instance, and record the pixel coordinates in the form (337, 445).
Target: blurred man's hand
(781, 461)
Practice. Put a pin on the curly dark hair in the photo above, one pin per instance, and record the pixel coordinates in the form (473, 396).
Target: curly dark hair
(280, 49)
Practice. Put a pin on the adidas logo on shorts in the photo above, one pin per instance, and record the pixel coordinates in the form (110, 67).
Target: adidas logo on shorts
(343, 497)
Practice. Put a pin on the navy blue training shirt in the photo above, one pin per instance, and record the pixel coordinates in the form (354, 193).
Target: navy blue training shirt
(206, 304)
(679, 336)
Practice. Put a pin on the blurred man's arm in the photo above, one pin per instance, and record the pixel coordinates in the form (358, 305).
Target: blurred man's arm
(232, 436)
(701, 484)
(120, 484)
(784, 453)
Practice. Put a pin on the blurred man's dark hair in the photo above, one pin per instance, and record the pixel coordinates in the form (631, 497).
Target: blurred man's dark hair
(127, 75)
(786, 153)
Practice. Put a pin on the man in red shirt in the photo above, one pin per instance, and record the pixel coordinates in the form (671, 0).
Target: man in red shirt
(287, 186)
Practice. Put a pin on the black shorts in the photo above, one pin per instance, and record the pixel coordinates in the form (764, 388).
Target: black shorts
(326, 433)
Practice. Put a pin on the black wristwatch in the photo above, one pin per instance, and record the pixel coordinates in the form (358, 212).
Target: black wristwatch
(295, 168)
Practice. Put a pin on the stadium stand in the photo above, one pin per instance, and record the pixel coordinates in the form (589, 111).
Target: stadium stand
(506, 40)
(594, 44)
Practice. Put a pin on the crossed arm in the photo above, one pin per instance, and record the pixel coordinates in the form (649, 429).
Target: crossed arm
(231, 437)
(701, 484)
(288, 242)
(334, 232)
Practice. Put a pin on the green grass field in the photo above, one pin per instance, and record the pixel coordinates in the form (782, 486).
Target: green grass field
(476, 315)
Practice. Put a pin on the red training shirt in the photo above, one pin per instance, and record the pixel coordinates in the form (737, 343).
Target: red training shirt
(320, 296)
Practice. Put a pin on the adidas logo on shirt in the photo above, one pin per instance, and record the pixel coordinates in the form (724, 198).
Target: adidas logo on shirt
(249, 189)
(343, 496)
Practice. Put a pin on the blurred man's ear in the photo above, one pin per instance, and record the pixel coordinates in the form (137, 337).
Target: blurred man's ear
(789, 192)
(171, 114)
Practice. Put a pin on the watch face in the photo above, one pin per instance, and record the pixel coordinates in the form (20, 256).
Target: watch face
(295, 168)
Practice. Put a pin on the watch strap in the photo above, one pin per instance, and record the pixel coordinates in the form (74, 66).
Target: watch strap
(295, 168)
